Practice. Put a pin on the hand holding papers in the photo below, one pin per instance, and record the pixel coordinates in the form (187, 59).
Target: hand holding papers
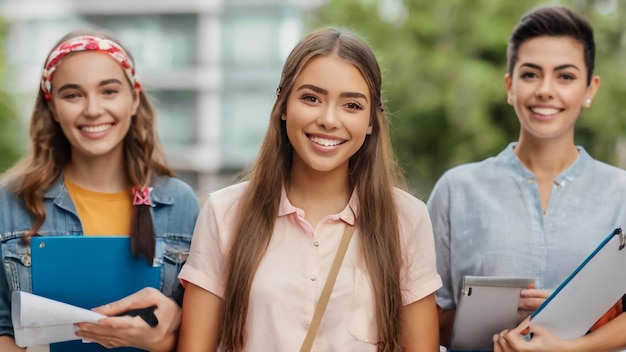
(83, 272)
(41, 321)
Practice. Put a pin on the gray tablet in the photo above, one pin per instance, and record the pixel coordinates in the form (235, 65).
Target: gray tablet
(488, 305)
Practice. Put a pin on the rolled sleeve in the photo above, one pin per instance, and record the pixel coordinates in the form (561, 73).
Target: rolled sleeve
(419, 274)
(210, 241)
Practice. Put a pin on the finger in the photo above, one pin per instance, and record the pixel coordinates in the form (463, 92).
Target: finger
(123, 322)
(515, 338)
(140, 299)
(107, 326)
(106, 341)
(500, 343)
(496, 343)
(535, 293)
(530, 303)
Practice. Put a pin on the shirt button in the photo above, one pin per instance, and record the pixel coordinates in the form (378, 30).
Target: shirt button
(307, 325)
(313, 278)
(531, 181)
(316, 244)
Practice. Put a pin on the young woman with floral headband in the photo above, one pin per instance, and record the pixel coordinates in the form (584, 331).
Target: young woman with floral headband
(95, 167)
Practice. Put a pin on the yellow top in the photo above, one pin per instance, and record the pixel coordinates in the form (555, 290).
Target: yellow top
(100, 213)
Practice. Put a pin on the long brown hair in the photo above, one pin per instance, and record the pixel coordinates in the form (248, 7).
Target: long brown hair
(50, 151)
(373, 172)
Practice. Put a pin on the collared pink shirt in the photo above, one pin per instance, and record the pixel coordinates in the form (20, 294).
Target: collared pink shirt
(293, 271)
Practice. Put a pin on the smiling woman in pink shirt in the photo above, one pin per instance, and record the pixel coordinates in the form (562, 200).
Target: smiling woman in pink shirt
(263, 249)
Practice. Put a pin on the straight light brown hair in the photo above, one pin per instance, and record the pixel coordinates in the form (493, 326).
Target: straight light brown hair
(373, 173)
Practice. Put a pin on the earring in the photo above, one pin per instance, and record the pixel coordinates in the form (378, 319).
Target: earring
(588, 102)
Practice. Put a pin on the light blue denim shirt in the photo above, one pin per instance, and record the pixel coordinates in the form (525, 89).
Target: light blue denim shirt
(487, 220)
(174, 212)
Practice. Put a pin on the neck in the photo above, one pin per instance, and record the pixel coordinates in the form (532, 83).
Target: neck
(546, 158)
(98, 174)
(318, 193)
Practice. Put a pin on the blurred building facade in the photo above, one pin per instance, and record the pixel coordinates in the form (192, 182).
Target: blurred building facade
(211, 66)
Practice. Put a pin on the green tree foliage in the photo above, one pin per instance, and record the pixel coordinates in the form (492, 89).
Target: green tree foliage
(9, 152)
(443, 66)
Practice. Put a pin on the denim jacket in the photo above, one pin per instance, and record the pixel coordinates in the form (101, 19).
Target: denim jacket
(174, 212)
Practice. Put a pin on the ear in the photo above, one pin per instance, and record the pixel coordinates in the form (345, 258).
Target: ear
(53, 111)
(136, 100)
(508, 83)
(283, 117)
(369, 130)
(594, 85)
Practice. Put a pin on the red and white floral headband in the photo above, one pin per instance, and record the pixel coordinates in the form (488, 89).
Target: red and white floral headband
(86, 43)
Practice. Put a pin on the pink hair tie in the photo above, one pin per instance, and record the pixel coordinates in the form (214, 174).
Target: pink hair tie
(86, 43)
(141, 195)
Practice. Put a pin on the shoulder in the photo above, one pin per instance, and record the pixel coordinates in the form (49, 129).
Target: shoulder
(227, 197)
(171, 185)
(405, 199)
(603, 171)
(220, 211)
(6, 194)
(410, 208)
(9, 199)
(173, 188)
(470, 172)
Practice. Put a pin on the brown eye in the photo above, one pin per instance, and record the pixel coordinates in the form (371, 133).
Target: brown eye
(354, 106)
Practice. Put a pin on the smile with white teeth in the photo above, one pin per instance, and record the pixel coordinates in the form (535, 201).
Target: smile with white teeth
(325, 141)
(96, 129)
(545, 111)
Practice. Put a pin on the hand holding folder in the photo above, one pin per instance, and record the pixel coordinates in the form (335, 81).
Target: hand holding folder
(76, 274)
(588, 292)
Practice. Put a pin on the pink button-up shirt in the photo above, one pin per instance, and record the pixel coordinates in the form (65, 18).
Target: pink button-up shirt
(293, 271)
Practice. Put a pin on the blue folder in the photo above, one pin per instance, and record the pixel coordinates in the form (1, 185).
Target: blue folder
(89, 271)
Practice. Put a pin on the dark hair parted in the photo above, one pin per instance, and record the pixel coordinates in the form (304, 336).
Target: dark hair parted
(373, 173)
(50, 151)
(554, 21)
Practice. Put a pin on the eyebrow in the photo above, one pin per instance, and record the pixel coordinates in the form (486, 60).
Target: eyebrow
(323, 91)
(76, 86)
(558, 68)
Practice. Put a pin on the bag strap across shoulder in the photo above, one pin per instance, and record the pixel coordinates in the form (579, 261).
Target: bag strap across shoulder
(328, 288)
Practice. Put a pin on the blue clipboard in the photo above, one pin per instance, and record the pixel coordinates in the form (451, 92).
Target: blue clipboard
(590, 290)
(89, 271)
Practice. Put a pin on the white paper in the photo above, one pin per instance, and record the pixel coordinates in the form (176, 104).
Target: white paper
(587, 293)
(41, 321)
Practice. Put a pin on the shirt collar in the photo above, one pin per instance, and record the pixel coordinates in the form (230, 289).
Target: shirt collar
(348, 214)
(509, 157)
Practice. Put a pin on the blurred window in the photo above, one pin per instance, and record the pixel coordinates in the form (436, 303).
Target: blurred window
(176, 116)
(156, 42)
(245, 116)
(251, 40)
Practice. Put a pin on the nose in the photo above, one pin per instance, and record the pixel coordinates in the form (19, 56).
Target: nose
(93, 107)
(545, 90)
(328, 118)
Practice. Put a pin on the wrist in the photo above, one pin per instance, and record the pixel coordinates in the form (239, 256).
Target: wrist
(168, 344)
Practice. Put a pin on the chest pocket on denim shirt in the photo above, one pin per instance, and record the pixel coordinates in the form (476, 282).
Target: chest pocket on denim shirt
(175, 253)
